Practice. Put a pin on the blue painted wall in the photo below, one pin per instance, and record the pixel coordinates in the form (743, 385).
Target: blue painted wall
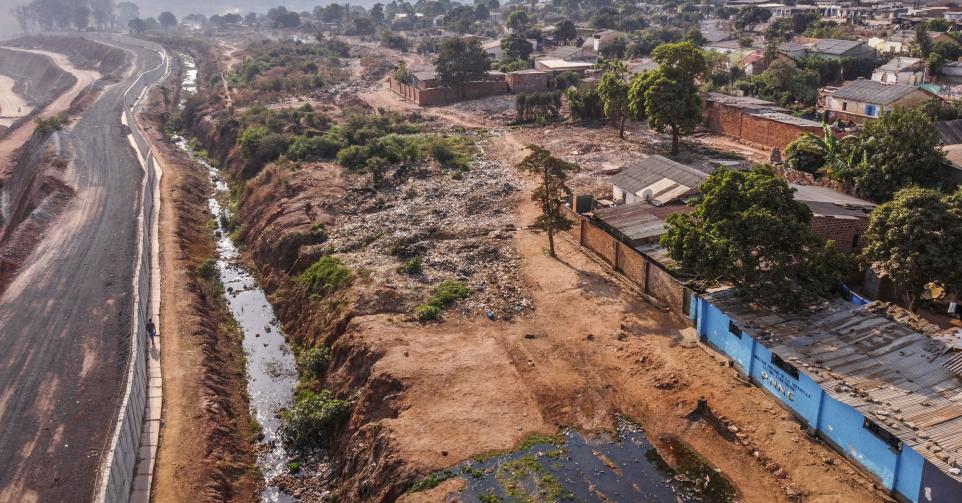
(901, 472)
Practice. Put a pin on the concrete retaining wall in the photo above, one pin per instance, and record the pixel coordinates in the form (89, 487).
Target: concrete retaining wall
(118, 469)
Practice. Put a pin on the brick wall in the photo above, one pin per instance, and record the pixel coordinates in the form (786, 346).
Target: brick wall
(442, 95)
(634, 266)
(732, 121)
(842, 231)
(526, 82)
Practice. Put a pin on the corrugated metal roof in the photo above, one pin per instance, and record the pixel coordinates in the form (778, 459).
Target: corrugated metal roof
(870, 91)
(658, 179)
(950, 131)
(904, 378)
(834, 46)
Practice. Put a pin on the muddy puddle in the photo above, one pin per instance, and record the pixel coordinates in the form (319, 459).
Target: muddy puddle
(620, 467)
(271, 373)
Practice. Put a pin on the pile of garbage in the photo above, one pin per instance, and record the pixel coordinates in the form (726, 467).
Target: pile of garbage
(457, 225)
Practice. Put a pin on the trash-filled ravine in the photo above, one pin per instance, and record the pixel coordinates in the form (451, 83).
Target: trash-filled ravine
(271, 372)
(622, 466)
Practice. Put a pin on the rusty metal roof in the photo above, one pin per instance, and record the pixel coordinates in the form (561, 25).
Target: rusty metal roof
(868, 357)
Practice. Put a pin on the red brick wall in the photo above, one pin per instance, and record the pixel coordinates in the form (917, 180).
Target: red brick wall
(632, 265)
(723, 119)
(599, 242)
(731, 121)
(526, 82)
(665, 288)
(841, 231)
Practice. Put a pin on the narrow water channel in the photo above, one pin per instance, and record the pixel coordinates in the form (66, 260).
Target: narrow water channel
(271, 374)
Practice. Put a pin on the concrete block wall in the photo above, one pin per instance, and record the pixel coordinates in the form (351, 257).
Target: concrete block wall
(734, 122)
(118, 471)
(903, 472)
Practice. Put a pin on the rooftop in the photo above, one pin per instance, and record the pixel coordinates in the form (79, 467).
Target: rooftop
(900, 63)
(908, 382)
(870, 91)
(950, 131)
(818, 194)
(658, 179)
(557, 64)
(834, 46)
(639, 222)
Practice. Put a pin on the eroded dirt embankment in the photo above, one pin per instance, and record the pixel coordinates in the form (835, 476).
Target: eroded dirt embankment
(206, 443)
(36, 78)
(83, 53)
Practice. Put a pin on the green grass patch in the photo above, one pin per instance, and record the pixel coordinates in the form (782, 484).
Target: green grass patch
(431, 481)
(410, 267)
(442, 296)
(325, 276)
(524, 479)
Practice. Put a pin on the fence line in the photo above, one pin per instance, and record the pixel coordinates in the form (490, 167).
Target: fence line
(117, 473)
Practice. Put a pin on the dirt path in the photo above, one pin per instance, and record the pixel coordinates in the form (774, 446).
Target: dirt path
(12, 105)
(84, 79)
(588, 351)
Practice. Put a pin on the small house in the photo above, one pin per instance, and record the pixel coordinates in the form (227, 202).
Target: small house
(861, 99)
(656, 180)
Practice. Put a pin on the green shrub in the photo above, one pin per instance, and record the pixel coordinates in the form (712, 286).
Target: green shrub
(313, 420)
(314, 361)
(353, 157)
(325, 276)
(427, 312)
(313, 148)
(443, 295)
(411, 266)
(207, 268)
(431, 481)
(47, 125)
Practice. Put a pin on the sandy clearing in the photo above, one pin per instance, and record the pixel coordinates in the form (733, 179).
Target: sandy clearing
(84, 79)
(12, 105)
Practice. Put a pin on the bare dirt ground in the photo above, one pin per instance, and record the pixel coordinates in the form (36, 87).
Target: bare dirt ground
(59, 105)
(12, 105)
(589, 350)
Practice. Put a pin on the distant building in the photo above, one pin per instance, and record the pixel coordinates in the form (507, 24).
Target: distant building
(561, 65)
(901, 70)
(828, 48)
(602, 39)
(858, 100)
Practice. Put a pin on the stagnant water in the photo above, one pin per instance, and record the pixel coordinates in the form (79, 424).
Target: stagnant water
(271, 374)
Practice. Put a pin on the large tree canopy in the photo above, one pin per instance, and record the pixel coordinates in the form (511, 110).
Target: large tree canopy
(747, 228)
(668, 96)
(460, 61)
(899, 149)
(915, 238)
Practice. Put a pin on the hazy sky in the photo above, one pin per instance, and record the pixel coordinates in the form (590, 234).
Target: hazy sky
(151, 8)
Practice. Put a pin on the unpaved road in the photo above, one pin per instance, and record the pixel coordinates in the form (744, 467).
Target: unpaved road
(12, 105)
(84, 79)
(66, 317)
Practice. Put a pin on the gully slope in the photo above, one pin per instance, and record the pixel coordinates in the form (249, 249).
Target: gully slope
(66, 316)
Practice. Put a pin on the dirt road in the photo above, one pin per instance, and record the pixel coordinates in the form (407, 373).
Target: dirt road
(12, 105)
(66, 316)
(84, 79)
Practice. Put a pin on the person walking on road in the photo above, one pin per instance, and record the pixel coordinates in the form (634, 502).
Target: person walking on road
(151, 330)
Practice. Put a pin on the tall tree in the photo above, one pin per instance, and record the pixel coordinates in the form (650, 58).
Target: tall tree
(613, 90)
(747, 228)
(915, 238)
(553, 174)
(668, 95)
(127, 11)
(519, 21)
(516, 47)
(565, 31)
(460, 61)
(167, 19)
